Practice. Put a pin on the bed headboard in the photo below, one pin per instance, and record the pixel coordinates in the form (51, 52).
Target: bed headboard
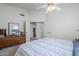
(3, 32)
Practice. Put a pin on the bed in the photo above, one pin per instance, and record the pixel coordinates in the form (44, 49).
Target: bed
(46, 47)
(76, 48)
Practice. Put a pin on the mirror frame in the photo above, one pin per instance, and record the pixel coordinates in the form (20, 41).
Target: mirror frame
(9, 28)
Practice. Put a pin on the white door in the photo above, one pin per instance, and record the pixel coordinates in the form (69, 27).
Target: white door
(39, 30)
(27, 31)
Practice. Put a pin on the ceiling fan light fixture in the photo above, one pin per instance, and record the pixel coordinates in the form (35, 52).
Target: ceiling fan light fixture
(50, 7)
(53, 7)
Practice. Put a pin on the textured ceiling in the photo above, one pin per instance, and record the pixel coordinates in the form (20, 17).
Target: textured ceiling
(26, 5)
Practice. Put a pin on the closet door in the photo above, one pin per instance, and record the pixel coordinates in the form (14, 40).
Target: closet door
(39, 30)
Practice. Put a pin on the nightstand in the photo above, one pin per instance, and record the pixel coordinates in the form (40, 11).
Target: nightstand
(77, 39)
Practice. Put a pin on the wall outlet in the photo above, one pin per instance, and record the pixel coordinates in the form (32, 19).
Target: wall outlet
(49, 32)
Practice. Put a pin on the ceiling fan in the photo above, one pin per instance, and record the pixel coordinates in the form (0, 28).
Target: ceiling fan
(50, 7)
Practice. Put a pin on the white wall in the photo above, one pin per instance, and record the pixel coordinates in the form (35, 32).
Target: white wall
(11, 14)
(28, 32)
(64, 23)
(34, 16)
(61, 24)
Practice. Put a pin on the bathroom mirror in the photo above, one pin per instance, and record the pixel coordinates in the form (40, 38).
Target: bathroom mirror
(13, 29)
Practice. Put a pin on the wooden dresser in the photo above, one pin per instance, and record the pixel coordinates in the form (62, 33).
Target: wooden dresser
(3, 32)
(11, 41)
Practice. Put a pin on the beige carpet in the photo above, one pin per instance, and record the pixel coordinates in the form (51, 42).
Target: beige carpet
(10, 51)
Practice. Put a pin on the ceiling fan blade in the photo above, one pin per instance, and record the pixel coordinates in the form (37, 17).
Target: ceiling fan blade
(44, 6)
(57, 8)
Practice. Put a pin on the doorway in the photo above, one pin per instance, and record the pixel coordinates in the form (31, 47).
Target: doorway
(36, 30)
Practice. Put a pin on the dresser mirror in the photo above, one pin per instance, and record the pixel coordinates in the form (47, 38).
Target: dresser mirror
(13, 29)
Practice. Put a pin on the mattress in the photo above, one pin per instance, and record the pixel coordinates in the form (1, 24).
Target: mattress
(46, 47)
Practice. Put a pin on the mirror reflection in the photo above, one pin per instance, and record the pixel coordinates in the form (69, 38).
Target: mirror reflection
(13, 29)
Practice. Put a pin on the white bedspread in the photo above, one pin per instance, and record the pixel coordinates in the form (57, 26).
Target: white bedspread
(46, 47)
